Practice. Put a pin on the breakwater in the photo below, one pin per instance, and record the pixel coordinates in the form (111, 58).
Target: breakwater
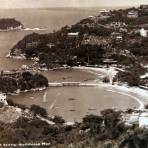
(62, 84)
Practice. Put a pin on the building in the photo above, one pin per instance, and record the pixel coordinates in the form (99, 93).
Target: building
(143, 120)
(73, 34)
(94, 40)
(117, 36)
(143, 32)
(50, 45)
(3, 99)
(109, 61)
(132, 14)
(33, 44)
(118, 25)
(104, 12)
(139, 118)
(10, 74)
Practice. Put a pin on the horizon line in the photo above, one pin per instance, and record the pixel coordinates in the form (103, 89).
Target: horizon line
(119, 6)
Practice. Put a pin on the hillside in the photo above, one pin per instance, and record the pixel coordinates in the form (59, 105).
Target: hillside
(13, 82)
(112, 37)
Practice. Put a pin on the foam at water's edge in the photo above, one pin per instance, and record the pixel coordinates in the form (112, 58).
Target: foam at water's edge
(33, 29)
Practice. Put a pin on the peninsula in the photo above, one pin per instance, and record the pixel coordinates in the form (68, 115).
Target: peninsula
(116, 37)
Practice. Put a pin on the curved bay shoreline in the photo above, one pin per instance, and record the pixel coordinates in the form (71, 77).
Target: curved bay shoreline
(91, 77)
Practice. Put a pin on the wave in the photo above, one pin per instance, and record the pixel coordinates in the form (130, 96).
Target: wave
(34, 29)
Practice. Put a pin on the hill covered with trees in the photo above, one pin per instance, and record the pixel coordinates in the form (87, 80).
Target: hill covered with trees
(21, 81)
(8, 24)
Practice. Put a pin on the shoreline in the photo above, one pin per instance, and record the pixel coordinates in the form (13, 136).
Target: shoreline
(133, 93)
(90, 77)
(138, 94)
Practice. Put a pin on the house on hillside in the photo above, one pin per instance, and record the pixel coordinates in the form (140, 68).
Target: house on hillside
(117, 36)
(140, 119)
(50, 45)
(12, 74)
(132, 14)
(33, 44)
(3, 99)
(73, 34)
(144, 32)
(109, 61)
(118, 25)
(143, 120)
(104, 12)
(94, 40)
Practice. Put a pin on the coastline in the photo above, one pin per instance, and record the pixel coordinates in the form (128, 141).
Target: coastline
(132, 93)
(138, 93)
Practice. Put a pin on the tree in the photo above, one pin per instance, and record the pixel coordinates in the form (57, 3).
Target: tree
(27, 76)
(38, 80)
(58, 120)
(93, 122)
(37, 110)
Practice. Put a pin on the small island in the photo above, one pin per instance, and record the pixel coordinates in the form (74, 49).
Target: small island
(10, 24)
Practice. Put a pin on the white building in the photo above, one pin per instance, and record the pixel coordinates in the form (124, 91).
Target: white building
(132, 14)
(140, 119)
(104, 12)
(73, 34)
(143, 120)
(117, 36)
(3, 99)
(143, 32)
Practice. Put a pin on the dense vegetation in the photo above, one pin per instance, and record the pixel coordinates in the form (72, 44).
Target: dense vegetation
(21, 81)
(106, 130)
(131, 75)
(6, 24)
(37, 110)
(116, 37)
(64, 51)
(59, 48)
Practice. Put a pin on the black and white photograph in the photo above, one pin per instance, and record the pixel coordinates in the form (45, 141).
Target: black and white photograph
(74, 73)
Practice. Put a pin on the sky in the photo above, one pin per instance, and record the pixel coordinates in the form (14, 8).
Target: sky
(68, 3)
